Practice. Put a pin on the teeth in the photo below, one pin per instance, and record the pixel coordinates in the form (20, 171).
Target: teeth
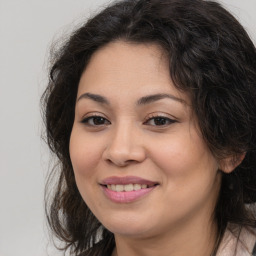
(119, 188)
(136, 186)
(128, 187)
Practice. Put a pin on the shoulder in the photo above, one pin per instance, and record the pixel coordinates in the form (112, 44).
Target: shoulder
(238, 241)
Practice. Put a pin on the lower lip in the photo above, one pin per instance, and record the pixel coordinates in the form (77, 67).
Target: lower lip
(126, 197)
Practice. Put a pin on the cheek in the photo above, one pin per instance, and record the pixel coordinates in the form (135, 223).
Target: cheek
(83, 157)
(181, 151)
(186, 160)
(188, 176)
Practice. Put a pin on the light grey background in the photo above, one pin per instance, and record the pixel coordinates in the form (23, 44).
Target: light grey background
(27, 29)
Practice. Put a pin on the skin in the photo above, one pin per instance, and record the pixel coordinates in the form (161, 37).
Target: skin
(175, 218)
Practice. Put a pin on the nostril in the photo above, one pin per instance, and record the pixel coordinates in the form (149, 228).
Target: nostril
(122, 153)
(119, 162)
(130, 161)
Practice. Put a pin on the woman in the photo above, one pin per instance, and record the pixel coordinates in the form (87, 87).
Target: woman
(151, 111)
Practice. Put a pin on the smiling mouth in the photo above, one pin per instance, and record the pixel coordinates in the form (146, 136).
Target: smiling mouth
(127, 193)
(128, 187)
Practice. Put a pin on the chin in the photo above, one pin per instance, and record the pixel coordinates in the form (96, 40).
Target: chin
(129, 226)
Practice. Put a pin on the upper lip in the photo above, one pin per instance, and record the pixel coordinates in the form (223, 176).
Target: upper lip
(127, 180)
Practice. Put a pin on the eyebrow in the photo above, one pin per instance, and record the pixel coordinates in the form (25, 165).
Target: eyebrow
(95, 97)
(142, 101)
(155, 97)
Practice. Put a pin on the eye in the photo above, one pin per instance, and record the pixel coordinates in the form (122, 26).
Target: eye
(95, 121)
(159, 121)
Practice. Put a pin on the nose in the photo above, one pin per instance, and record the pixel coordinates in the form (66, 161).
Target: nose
(125, 145)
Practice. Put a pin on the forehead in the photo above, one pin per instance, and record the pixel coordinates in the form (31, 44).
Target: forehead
(122, 53)
(130, 69)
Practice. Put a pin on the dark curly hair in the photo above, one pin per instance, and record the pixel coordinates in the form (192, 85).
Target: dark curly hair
(211, 57)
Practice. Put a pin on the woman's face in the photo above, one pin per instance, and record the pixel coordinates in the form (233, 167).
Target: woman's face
(139, 159)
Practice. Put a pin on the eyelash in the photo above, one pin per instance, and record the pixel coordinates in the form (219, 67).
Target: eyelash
(162, 118)
(93, 118)
(155, 118)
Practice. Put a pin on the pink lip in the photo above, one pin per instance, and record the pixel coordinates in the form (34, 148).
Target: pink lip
(126, 197)
(127, 180)
(129, 196)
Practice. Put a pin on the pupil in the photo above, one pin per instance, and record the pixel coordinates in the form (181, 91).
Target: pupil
(160, 121)
(98, 120)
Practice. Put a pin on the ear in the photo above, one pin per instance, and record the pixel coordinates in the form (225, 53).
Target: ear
(228, 164)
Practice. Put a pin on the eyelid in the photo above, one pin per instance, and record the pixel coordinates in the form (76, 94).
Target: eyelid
(160, 115)
(93, 113)
(151, 116)
(88, 116)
